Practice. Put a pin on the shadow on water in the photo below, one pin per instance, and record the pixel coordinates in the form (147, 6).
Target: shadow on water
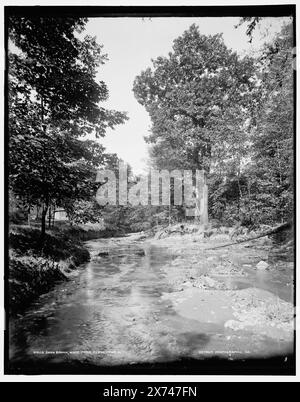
(277, 365)
(113, 315)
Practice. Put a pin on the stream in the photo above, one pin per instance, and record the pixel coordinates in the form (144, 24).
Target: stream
(111, 312)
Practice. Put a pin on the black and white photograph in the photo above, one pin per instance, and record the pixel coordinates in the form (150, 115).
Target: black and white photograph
(150, 190)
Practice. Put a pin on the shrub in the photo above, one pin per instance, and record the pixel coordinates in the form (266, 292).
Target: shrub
(29, 277)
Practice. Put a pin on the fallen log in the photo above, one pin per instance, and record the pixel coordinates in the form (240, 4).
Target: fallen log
(280, 228)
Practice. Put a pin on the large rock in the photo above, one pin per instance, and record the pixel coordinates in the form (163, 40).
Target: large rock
(262, 265)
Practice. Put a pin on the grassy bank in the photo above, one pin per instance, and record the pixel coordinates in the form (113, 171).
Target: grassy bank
(29, 277)
(35, 266)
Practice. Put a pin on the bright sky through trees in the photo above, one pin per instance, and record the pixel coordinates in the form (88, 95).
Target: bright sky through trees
(131, 43)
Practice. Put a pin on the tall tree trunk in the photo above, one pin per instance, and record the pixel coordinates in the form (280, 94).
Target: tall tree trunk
(43, 227)
(240, 194)
(53, 217)
(45, 205)
(28, 216)
(49, 218)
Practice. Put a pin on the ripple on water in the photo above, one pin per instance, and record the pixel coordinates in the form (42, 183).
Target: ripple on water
(113, 312)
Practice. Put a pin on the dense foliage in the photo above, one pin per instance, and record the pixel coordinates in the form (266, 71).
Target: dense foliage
(54, 102)
(232, 116)
(210, 109)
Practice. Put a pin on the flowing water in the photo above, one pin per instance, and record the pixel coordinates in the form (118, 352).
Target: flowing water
(111, 312)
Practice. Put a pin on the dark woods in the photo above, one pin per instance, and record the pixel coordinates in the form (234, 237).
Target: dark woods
(210, 109)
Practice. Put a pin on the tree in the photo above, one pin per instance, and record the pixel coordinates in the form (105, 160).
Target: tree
(189, 92)
(197, 98)
(59, 69)
(231, 116)
(258, 185)
(53, 100)
(273, 131)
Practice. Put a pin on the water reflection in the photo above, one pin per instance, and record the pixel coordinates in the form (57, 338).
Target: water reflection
(112, 312)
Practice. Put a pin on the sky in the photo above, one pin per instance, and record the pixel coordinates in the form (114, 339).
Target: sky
(131, 43)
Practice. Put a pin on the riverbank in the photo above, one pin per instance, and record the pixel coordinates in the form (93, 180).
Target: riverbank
(153, 302)
(34, 268)
(239, 288)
